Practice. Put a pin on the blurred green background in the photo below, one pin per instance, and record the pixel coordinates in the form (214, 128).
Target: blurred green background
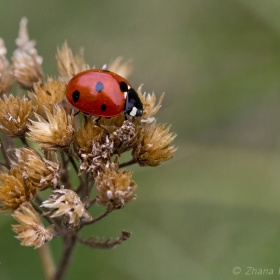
(215, 206)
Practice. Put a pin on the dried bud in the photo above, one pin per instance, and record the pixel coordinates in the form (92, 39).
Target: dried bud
(111, 124)
(153, 145)
(114, 188)
(26, 62)
(149, 104)
(31, 231)
(124, 137)
(42, 173)
(15, 189)
(14, 115)
(122, 68)
(69, 65)
(67, 204)
(47, 94)
(6, 78)
(56, 133)
(93, 146)
(86, 135)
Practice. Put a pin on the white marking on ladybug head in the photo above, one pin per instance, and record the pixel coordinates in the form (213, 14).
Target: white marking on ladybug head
(133, 112)
(125, 94)
(129, 87)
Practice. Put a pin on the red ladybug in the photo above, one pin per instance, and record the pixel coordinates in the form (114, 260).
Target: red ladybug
(103, 93)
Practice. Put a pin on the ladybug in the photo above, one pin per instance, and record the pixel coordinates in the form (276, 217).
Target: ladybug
(103, 93)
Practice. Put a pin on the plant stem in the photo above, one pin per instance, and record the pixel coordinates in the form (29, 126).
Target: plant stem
(23, 140)
(97, 218)
(71, 159)
(70, 241)
(132, 161)
(47, 261)
(4, 152)
(65, 177)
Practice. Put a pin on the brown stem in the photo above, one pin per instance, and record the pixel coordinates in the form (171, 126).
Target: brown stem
(4, 152)
(48, 155)
(93, 201)
(8, 141)
(97, 218)
(47, 261)
(70, 241)
(95, 242)
(23, 140)
(71, 159)
(133, 161)
(65, 176)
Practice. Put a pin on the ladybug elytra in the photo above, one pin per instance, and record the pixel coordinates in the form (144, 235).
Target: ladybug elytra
(103, 93)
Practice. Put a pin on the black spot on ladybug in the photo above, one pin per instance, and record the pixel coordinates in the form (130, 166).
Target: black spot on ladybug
(76, 96)
(103, 107)
(123, 87)
(99, 86)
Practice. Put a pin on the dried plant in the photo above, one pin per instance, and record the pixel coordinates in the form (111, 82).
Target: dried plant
(55, 144)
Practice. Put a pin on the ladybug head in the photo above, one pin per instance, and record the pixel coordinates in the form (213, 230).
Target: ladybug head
(133, 105)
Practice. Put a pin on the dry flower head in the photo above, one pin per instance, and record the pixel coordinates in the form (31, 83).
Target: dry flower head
(121, 67)
(55, 133)
(26, 61)
(31, 231)
(15, 189)
(14, 115)
(67, 203)
(45, 95)
(93, 146)
(41, 172)
(153, 145)
(6, 77)
(149, 104)
(68, 64)
(114, 188)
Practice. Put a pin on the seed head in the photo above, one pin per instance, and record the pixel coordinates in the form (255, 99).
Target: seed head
(14, 115)
(31, 231)
(93, 146)
(121, 132)
(47, 94)
(68, 64)
(86, 135)
(122, 68)
(153, 145)
(67, 204)
(15, 189)
(42, 173)
(149, 104)
(124, 137)
(114, 188)
(55, 133)
(26, 62)
(6, 77)
(111, 124)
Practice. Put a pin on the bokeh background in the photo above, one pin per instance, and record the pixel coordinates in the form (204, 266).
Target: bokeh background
(215, 206)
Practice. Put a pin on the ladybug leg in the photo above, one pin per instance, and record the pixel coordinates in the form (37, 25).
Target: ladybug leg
(128, 117)
(77, 113)
(97, 120)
